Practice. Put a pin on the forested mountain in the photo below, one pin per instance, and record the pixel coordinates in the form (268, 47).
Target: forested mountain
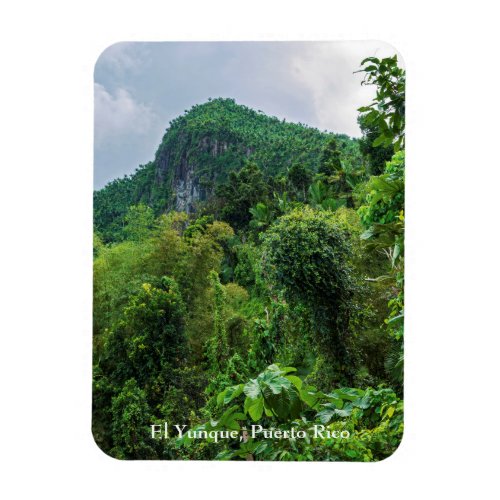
(253, 275)
(199, 151)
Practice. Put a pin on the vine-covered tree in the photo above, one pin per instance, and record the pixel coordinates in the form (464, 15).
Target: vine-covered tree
(306, 257)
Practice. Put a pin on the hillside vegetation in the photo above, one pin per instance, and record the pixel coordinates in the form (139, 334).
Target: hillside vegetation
(207, 143)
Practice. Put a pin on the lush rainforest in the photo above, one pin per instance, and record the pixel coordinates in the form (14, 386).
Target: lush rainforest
(252, 274)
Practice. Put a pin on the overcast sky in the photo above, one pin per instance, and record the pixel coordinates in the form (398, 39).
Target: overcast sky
(140, 87)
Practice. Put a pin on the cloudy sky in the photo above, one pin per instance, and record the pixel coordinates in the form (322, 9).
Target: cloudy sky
(139, 87)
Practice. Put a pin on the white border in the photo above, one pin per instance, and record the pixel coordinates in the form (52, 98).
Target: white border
(49, 50)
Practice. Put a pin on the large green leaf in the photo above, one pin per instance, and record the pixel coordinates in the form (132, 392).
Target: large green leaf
(252, 389)
(227, 416)
(296, 381)
(255, 408)
(233, 392)
(287, 369)
(363, 402)
(347, 393)
(310, 395)
(229, 394)
(286, 403)
(330, 411)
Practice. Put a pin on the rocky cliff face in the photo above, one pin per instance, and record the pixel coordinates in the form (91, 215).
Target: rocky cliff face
(180, 179)
(188, 175)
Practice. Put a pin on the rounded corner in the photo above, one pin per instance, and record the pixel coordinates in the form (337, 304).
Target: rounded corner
(104, 51)
(392, 48)
(104, 452)
(394, 452)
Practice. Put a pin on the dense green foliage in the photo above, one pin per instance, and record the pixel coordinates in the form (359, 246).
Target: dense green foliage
(282, 403)
(387, 111)
(277, 305)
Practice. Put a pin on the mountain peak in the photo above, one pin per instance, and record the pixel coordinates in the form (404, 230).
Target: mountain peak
(199, 150)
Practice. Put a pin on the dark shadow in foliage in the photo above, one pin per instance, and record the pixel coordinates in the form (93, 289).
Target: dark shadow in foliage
(243, 190)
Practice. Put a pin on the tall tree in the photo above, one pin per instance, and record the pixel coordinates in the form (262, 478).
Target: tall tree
(387, 111)
(330, 163)
(375, 157)
(299, 178)
(384, 209)
(131, 416)
(139, 220)
(243, 190)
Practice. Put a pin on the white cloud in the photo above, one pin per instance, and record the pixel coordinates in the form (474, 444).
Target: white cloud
(117, 115)
(326, 71)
